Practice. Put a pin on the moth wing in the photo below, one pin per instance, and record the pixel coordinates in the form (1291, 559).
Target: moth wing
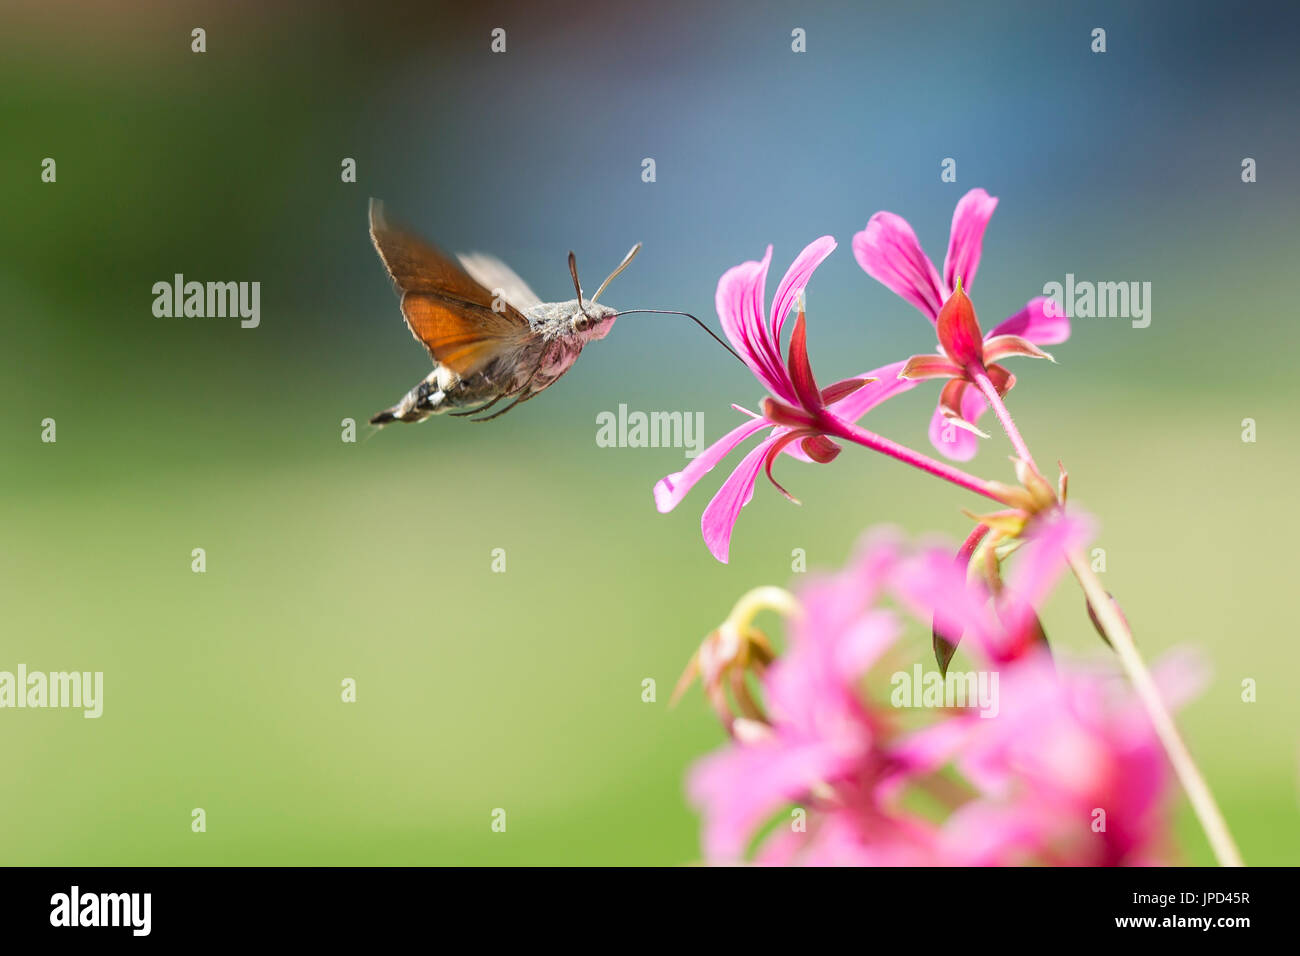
(447, 310)
(493, 274)
(462, 336)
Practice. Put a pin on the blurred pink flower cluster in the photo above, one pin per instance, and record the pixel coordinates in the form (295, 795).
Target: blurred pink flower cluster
(1063, 769)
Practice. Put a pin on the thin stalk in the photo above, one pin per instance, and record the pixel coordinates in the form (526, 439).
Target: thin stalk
(1000, 410)
(860, 436)
(1121, 638)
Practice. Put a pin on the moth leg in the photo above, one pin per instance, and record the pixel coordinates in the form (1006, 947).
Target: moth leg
(518, 401)
(480, 408)
(528, 391)
(525, 396)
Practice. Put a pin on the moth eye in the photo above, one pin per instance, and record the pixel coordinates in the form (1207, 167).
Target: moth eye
(581, 323)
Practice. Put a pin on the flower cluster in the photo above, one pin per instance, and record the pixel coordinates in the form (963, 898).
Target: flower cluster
(804, 421)
(1060, 764)
(1063, 769)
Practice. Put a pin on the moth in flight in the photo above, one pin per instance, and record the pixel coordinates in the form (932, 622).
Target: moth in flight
(490, 336)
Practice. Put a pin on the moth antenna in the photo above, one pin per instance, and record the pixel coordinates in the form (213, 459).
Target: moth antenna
(627, 260)
(577, 286)
(692, 318)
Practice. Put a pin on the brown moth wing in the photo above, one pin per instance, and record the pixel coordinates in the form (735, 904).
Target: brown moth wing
(450, 313)
(463, 337)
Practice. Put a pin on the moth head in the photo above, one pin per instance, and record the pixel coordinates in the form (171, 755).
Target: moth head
(592, 321)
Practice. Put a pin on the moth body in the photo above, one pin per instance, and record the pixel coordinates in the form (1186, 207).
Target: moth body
(550, 350)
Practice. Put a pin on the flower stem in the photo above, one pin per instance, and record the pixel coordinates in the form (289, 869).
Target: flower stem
(860, 436)
(1121, 638)
(1000, 409)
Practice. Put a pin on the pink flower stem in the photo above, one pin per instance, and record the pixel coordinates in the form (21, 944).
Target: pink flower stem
(860, 436)
(1000, 409)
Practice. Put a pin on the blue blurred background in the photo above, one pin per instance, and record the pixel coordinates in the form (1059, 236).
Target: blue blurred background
(522, 690)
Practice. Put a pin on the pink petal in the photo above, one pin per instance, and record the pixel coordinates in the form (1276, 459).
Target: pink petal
(812, 689)
(796, 280)
(740, 787)
(720, 516)
(991, 834)
(820, 449)
(967, 237)
(950, 399)
(846, 836)
(922, 752)
(1001, 379)
(776, 448)
(1039, 563)
(864, 643)
(959, 330)
(837, 390)
(739, 301)
(998, 347)
(1037, 323)
(921, 367)
(801, 373)
(670, 491)
(787, 416)
(890, 253)
(930, 584)
(964, 444)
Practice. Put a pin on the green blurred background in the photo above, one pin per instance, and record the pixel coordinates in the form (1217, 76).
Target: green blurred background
(522, 690)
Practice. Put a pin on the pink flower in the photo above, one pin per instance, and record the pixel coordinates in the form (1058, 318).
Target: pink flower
(795, 409)
(1059, 745)
(889, 251)
(1070, 771)
(1000, 613)
(855, 830)
(820, 731)
(825, 745)
(966, 358)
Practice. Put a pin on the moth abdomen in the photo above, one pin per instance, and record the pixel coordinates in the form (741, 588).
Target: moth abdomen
(419, 403)
(443, 391)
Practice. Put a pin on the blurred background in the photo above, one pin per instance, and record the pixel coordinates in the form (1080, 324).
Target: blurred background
(328, 560)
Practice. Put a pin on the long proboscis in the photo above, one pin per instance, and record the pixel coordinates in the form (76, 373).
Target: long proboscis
(627, 259)
(692, 318)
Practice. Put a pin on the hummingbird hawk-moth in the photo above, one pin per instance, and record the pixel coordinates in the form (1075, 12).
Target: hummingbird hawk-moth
(490, 336)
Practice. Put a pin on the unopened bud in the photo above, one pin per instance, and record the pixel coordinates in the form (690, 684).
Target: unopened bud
(1040, 491)
(1096, 622)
